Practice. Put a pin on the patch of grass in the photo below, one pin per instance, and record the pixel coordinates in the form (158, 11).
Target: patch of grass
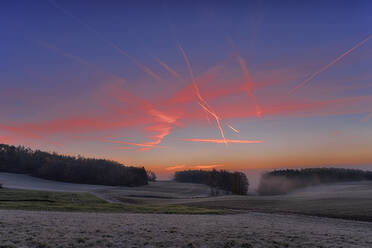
(343, 208)
(84, 202)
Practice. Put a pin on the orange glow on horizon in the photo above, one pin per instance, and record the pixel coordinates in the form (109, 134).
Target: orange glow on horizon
(176, 167)
(192, 167)
(207, 167)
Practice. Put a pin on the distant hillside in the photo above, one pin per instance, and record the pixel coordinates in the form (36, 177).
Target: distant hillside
(284, 181)
(235, 182)
(68, 168)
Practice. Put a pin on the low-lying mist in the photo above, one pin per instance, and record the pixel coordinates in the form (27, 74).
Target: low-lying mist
(285, 181)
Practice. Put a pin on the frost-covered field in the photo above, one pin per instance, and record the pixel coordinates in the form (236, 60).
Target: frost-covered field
(56, 229)
(270, 228)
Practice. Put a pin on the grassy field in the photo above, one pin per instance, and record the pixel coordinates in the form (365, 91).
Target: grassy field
(84, 202)
(167, 214)
(78, 219)
(345, 206)
(351, 200)
(334, 208)
(345, 200)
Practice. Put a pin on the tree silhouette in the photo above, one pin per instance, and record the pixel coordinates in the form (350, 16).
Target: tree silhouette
(234, 182)
(69, 168)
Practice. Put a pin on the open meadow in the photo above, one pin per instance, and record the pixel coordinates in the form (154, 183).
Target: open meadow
(170, 214)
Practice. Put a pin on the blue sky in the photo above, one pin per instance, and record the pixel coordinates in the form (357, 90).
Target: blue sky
(79, 77)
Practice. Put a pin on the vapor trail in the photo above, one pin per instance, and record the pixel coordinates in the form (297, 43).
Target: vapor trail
(235, 130)
(76, 59)
(367, 117)
(195, 85)
(217, 120)
(134, 144)
(249, 86)
(169, 69)
(108, 42)
(204, 104)
(160, 116)
(136, 62)
(220, 141)
(64, 54)
(329, 65)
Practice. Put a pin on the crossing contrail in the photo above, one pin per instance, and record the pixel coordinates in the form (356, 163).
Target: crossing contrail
(203, 103)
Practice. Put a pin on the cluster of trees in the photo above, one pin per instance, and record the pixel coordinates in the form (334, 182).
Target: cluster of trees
(285, 181)
(234, 182)
(69, 168)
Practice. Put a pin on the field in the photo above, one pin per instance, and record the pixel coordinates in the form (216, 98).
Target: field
(63, 229)
(99, 216)
(84, 202)
(351, 200)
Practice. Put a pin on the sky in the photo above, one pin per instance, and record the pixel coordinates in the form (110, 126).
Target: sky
(174, 85)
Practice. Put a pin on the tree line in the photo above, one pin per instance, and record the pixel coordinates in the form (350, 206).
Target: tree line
(65, 168)
(285, 181)
(234, 182)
